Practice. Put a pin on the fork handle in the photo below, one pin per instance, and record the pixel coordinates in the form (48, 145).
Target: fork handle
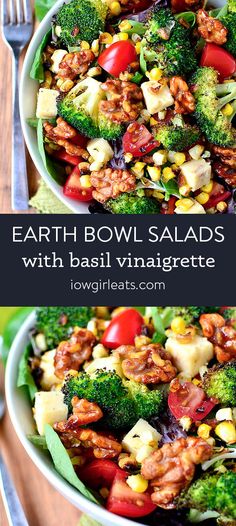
(20, 193)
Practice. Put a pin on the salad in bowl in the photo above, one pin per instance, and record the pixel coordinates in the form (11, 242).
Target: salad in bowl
(136, 406)
(136, 105)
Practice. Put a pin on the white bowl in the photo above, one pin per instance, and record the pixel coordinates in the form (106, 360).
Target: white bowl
(28, 94)
(22, 420)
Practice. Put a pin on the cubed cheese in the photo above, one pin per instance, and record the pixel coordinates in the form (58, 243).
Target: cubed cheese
(56, 58)
(189, 357)
(49, 379)
(101, 152)
(157, 97)
(195, 209)
(49, 408)
(142, 434)
(110, 363)
(46, 103)
(197, 173)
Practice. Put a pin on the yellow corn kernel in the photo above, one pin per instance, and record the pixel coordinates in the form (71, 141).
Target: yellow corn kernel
(227, 110)
(221, 206)
(226, 431)
(158, 195)
(178, 325)
(174, 167)
(196, 381)
(85, 181)
(123, 36)
(138, 167)
(95, 46)
(184, 190)
(179, 158)
(202, 198)
(168, 173)
(137, 483)
(128, 157)
(66, 85)
(138, 47)
(154, 172)
(84, 44)
(153, 121)
(204, 431)
(124, 25)
(141, 340)
(115, 8)
(73, 372)
(118, 310)
(207, 187)
(155, 74)
(184, 204)
(105, 38)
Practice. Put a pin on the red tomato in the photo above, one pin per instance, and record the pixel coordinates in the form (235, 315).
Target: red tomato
(117, 57)
(217, 194)
(124, 501)
(99, 473)
(134, 6)
(123, 329)
(191, 401)
(138, 140)
(216, 57)
(79, 140)
(169, 207)
(61, 155)
(73, 188)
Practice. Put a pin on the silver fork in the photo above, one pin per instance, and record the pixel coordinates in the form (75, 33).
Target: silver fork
(17, 27)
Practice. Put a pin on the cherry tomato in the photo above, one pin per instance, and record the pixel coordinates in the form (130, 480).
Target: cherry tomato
(79, 140)
(124, 501)
(61, 155)
(117, 57)
(191, 401)
(73, 188)
(217, 194)
(169, 207)
(134, 6)
(123, 329)
(138, 140)
(99, 473)
(216, 57)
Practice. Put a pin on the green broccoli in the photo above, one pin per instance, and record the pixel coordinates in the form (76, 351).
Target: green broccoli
(215, 492)
(81, 21)
(132, 203)
(211, 97)
(122, 403)
(230, 314)
(220, 382)
(177, 135)
(80, 108)
(171, 43)
(231, 4)
(190, 314)
(229, 21)
(56, 323)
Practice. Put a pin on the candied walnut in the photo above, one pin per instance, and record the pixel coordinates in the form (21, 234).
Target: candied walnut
(227, 173)
(171, 468)
(103, 446)
(221, 335)
(72, 353)
(84, 412)
(109, 183)
(184, 100)
(125, 101)
(74, 64)
(211, 29)
(149, 364)
(226, 155)
(61, 134)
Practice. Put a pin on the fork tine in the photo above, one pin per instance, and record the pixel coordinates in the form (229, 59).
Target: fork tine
(12, 12)
(19, 12)
(4, 13)
(28, 11)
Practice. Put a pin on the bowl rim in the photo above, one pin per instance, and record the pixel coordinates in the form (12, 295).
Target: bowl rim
(57, 481)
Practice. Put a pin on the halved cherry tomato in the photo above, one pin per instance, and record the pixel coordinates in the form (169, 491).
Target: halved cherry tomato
(190, 400)
(216, 57)
(61, 155)
(138, 140)
(123, 329)
(169, 207)
(117, 57)
(99, 473)
(79, 140)
(73, 188)
(124, 501)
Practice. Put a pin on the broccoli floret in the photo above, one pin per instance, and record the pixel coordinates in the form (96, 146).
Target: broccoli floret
(81, 20)
(190, 314)
(132, 203)
(231, 4)
(220, 382)
(80, 108)
(171, 43)
(230, 314)
(122, 403)
(215, 492)
(56, 323)
(229, 21)
(211, 97)
(177, 135)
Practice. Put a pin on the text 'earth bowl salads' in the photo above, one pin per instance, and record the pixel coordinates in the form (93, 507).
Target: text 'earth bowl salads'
(137, 407)
(136, 105)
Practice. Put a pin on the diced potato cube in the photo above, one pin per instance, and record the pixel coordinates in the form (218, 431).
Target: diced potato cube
(197, 173)
(157, 97)
(189, 357)
(195, 209)
(142, 434)
(49, 379)
(101, 151)
(56, 58)
(46, 103)
(110, 363)
(49, 408)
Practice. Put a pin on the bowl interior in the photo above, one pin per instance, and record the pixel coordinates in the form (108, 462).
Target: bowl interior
(28, 95)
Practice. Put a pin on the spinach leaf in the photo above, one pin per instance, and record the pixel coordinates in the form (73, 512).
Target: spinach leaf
(143, 63)
(220, 12)
(159, 334)
(11, 329)
(25, 378)
(42, 7)
(54, 169)
(170, 188)
(63, 463)
(137, 78)
(188, 16)
(37, 71)
(38, 440)
(136, 28)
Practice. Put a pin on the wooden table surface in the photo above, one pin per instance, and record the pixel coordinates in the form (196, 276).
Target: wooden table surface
(43, 505)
